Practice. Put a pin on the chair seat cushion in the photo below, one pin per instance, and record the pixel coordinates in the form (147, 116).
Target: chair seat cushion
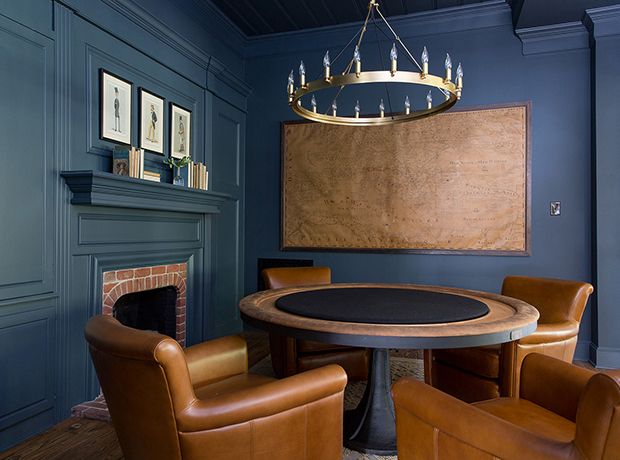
(482, 361)
(310, 346)
(231, 385)
(530, 417)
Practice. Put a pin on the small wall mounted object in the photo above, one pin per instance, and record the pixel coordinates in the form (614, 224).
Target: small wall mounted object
(180, 131)
(115, 108)
(151, 121)
(177, 164)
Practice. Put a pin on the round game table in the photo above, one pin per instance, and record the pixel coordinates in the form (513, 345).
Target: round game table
(384, 316)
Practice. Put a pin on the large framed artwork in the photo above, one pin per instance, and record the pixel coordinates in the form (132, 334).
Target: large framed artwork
(180, 131)
(115, 108)
(458, 182)
(151, 121)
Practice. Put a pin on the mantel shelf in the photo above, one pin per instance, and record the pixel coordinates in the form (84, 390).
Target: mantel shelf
(96, 188)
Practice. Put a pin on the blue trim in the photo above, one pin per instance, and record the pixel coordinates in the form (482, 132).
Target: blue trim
(604, 21)
(604, 357)
(553, 38)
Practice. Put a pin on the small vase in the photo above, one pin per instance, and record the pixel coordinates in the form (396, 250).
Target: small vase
(178, 179)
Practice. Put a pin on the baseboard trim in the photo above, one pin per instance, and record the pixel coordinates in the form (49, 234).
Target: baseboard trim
(604, 357)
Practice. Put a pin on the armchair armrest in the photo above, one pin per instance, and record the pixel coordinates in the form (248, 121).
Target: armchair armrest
(553, 384)
(216, 359)
(467, 424)
(264, 400)
(551, 332)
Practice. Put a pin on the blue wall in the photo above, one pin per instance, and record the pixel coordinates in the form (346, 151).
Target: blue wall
(53, 253)
(496, 72)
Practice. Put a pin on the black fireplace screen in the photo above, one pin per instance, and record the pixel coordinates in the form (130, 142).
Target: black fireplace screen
(153, 310)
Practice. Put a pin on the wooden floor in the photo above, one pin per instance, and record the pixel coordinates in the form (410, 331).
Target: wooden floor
(83, 439)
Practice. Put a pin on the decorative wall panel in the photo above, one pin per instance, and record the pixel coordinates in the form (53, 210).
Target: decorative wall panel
(456, 182)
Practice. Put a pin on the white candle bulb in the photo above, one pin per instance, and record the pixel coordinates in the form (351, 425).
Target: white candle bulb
(429, 100)
(313, 103)
(334, 107)
(290, 86)
(357, 109)
(459, 76)
(393, 52)
(302, 74)
(424, 62)
(407, 105)
(326, 64)
(448, 66)
(357, 57)
(393, 59)
(381, 108)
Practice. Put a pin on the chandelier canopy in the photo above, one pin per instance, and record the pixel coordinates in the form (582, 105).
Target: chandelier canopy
(354, 75)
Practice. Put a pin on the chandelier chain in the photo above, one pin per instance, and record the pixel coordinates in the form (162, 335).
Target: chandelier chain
(387, 89)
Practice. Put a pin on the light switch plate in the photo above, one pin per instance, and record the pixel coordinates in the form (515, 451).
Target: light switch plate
(554, 208)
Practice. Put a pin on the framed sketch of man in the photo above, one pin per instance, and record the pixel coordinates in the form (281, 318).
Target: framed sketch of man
(115, 108)
(151, 121)
(180, 131)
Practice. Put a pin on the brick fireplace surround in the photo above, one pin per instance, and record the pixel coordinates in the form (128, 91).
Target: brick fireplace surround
(120, 282)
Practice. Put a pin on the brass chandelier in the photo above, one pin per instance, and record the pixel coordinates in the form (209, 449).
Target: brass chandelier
(353, 75)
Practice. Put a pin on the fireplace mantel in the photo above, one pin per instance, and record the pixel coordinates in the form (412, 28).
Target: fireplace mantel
(98, 188)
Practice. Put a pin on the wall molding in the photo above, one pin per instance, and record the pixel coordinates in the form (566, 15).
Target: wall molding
(604, 357)
(98, 188)
(604, 21)
(553, 38)
(475, 16)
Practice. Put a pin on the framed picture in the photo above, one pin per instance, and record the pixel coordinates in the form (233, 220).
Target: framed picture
(151, 121)
(180, 131)
(115, 108)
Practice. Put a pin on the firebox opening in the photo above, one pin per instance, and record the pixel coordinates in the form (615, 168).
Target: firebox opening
(153, 310)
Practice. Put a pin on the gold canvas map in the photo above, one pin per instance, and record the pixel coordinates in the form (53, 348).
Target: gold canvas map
(453, 182)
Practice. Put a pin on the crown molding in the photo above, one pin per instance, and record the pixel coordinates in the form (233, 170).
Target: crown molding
(604, 21)
(553, 38)
(456, 19)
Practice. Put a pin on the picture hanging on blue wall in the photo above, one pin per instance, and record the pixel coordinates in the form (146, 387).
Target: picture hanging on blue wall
(180, 131)
(151, 121)
(115, 108)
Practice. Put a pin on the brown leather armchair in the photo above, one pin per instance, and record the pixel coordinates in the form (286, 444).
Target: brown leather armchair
(290, 356)
(479, 373)
(563, 412)
(170, 404)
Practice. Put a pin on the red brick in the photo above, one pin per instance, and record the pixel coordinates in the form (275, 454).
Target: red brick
(124, 274)
(142, 272)
(160, 269)
(148, 282)
(108, 287)
(139, 285)
(183, 268)
(181, 303)
(172, 268)
(109, 276)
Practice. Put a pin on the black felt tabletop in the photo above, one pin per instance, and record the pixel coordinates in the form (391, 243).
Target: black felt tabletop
(382, 305)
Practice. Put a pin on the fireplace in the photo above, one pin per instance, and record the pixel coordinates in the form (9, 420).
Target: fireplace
(151, 298)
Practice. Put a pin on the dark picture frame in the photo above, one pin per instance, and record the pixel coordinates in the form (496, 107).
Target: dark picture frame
(115, 105)
(151, 121)
(180, 131)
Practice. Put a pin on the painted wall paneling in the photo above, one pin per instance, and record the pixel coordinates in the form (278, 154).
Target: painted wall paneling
(227, 175)
(604, 24)
(27, 184)
(28, 294)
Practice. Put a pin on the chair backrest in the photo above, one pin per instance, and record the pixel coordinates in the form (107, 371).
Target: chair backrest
(597, 433)
(556, 300)
(145, 381)
(296, 276)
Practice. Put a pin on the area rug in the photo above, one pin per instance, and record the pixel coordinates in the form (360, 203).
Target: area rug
(399, 367)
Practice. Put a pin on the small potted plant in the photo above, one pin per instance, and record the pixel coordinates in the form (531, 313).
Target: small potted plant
(177, 163)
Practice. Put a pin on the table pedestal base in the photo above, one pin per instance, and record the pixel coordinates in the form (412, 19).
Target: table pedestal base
(371, 426)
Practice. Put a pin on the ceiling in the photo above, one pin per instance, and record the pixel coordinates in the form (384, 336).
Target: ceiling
(261, 17)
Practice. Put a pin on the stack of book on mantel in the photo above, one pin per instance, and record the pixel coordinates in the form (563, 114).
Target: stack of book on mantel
(128, 161)
(197, 176)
